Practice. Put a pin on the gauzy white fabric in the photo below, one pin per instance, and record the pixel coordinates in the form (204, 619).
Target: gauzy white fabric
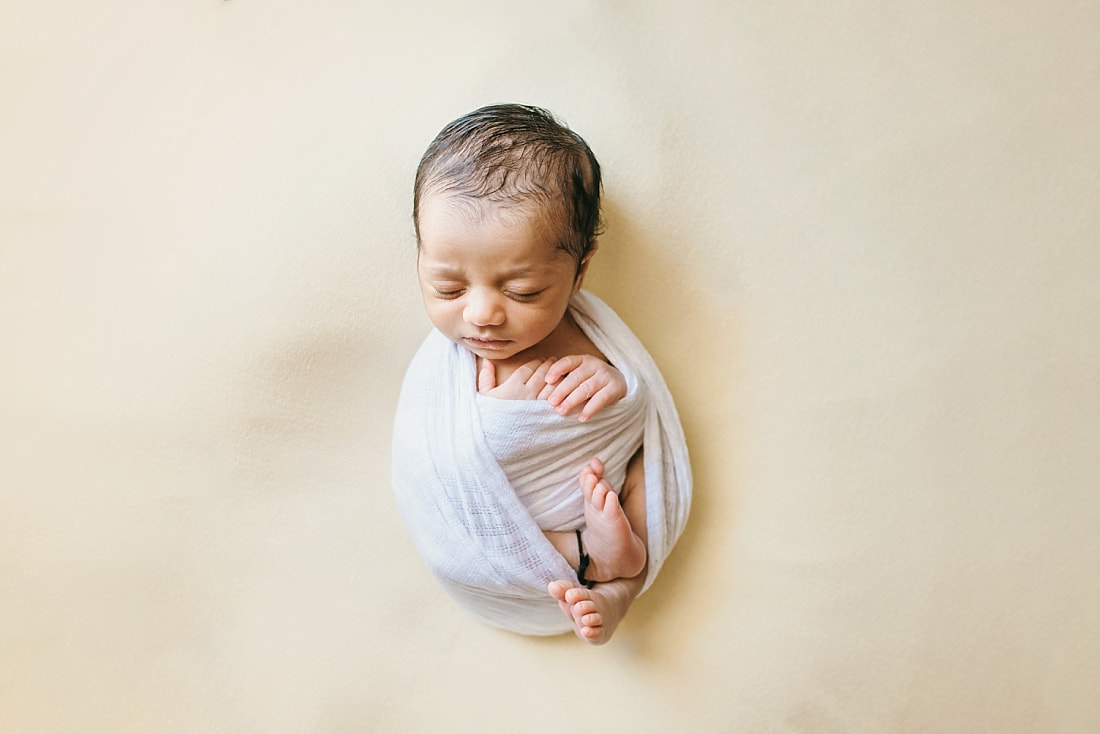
(463, 507)
(545, 472)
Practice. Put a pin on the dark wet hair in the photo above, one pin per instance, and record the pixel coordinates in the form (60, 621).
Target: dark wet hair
(515, 154)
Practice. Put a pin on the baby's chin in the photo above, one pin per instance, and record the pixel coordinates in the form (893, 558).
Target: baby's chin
(492, 350)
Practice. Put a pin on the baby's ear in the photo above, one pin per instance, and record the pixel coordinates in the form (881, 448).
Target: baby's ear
(584, 264)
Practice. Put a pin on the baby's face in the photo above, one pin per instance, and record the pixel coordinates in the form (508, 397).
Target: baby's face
(493, 281)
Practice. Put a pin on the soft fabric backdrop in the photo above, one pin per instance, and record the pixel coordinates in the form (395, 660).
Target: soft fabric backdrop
(861, 239)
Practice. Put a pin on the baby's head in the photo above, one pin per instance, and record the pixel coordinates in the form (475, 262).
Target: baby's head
(518, 159)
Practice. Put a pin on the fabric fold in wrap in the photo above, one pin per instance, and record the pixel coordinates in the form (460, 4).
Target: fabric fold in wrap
(454, 451)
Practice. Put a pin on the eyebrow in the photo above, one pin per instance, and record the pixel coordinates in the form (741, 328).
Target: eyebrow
(446, 271)
(441, 270)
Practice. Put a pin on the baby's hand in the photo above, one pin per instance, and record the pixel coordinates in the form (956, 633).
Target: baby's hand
(582, 379)
(528, 382)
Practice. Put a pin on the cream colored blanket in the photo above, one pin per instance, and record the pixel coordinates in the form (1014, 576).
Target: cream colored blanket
(479, 479)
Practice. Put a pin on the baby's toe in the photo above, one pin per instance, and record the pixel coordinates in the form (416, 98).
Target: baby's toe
(598, 497)
(575, 594)
(588, 483)
(609, 501)
(591, 633)
(558, 589)
(592, 619)
(582, 610)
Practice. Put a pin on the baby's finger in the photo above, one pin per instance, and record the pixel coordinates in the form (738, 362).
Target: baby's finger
(545, 392)
(524, 371)
(563, 366)
(578, 397)
(564, 388)
(486, 376)
(596, 403)
(568, 385)
(539, 375)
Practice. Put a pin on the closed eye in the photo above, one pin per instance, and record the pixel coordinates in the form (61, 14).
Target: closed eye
(523, 297)
(452, 293)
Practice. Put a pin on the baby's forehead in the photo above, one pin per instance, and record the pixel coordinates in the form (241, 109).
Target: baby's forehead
(509, 231)
(524, 215)
(478, 209)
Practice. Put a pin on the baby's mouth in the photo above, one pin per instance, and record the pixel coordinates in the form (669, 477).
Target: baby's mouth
(483, 343)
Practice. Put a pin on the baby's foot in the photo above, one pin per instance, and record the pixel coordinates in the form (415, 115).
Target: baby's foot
(595, 612)
(615, 550)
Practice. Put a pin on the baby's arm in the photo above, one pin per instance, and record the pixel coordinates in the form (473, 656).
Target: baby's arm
(582, 379)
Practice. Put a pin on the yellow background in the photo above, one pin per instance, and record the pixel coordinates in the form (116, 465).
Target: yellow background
(861, 239)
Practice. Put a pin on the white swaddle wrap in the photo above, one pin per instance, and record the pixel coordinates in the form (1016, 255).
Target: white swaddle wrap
(478, 479)
(545, 472)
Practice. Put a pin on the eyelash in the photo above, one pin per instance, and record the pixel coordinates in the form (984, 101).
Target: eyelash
(521, 297)
(448, 295)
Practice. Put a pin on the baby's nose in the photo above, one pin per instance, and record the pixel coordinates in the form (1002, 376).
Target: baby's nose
(483, 309)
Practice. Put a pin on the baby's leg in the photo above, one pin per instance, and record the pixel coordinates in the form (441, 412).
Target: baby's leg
(614, 536)
(596, 612)
(615, 548)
